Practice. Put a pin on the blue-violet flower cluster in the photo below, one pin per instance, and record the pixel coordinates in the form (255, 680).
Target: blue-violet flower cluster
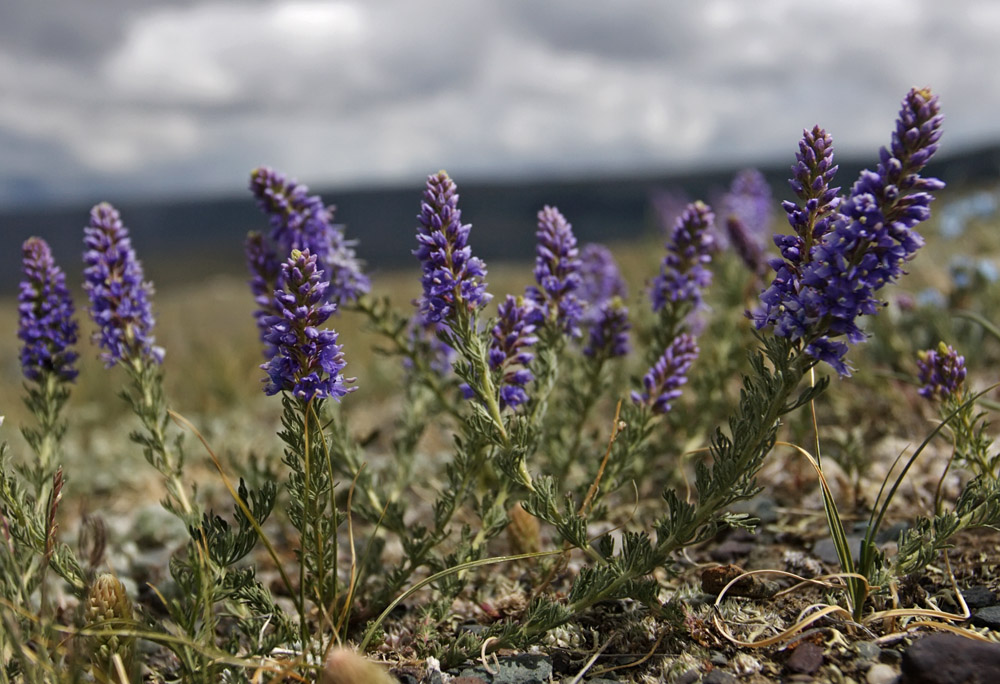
(557, 272)
(664, 380)
(600, 280)
(608, 336)
(307, 361)
(684, 272)
(942, 372)
(45, 316)
(301, 221)
(119, 299)
(818, 296)
(513, 335)
(747, 211)
(452, 277)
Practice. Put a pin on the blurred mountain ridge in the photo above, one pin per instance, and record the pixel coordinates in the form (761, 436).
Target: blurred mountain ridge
(193, 240)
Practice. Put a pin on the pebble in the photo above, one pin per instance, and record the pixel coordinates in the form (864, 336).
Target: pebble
(689, 677)
(524, 668)
(949, 658)
(880, 673)
(891, 656)
(988, 617)
(719, 677)
(806, 658)
(979, 597)
(867, 650)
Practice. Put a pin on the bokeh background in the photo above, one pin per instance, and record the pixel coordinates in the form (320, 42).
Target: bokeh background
(163, 107)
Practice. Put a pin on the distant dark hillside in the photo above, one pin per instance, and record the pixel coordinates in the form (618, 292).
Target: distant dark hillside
(193, 240)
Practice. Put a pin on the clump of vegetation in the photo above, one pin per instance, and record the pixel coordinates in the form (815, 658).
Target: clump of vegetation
(567, 407)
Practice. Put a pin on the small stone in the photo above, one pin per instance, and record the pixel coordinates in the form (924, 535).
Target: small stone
(867, 650)
(806, 658)
(523, 668)
(719, 677)
(880, 673)
(949, 658)
(468, 680)
(890, 656)
(826, 551)
(718, 658)
(988, 617)
(979, 597)
(715, 579)
(689, 677)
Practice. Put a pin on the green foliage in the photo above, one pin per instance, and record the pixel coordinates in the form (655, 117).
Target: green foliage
(346, 529)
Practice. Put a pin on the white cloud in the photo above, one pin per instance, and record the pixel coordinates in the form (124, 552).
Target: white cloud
(353, 91)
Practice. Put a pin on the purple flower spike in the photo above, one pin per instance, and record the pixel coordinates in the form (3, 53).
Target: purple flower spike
(307, 361)
(942, 372)
(119, 299)
(747, 208)
(812, 174)
(684, 273)
(664, 380)
(45, 316)
(557, 272)
(513, 334)
(818, 295)
(600, 280)
(301, 221)
(609, 333)
(453, 278)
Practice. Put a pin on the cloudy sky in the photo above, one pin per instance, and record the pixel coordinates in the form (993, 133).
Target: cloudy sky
(126, 98)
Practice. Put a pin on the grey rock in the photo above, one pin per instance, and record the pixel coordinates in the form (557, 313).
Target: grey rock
(867, 650)
(827, 552)
(979, 597)
(805, 659)
(891, 656)
(719, 677)
(689, 677)
(523, 668)
(988, 617)
(951, 659)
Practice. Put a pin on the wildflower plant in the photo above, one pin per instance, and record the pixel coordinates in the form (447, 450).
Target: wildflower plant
(48, 331)
(553, 405)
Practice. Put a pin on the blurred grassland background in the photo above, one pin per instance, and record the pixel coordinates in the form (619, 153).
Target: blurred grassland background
(213, 353)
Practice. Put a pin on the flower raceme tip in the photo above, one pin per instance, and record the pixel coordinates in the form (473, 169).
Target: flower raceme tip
(46, 326)
(307, 360)
(120, 300)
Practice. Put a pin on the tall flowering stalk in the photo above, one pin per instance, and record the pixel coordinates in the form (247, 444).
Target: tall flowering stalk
(747, 212)
(557, 272)
(600, 280)
(941, 373)
(819, 293)
(298, 221)
(119, 297)
(307, 361)
(684, 272)
(307, 366)
(121, 307)
(48, 332)
(453, 279)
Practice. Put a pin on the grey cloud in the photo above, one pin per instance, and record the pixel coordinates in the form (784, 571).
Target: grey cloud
(166, 96)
